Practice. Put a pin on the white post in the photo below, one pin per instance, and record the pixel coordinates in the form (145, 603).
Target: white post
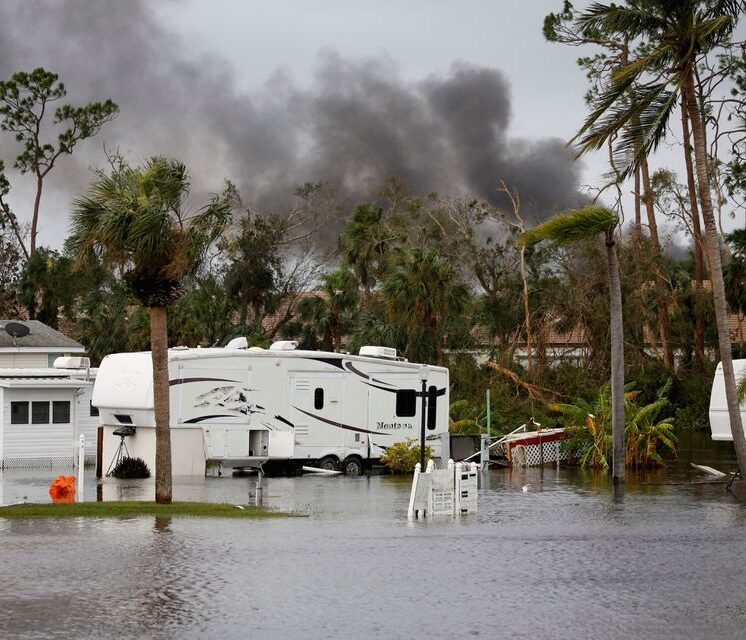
(81, 467)
(484, 457)
(415, 478)
(259, 494)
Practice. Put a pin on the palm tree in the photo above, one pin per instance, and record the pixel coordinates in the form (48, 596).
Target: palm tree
(362, 246)
(330, 310)
(133, 220)
(422, 294)
(570, 228)
(677, 34)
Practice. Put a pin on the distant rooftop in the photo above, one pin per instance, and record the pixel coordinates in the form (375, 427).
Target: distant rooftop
(39, 336)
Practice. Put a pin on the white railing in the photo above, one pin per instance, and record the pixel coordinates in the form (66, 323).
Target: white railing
(449, 491)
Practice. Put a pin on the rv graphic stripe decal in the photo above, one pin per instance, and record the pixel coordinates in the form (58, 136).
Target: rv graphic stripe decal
(186, 380)
(335, 362)
(334, 423)
(287, 422)
(351, 367)
(440, 392)
(201, 418)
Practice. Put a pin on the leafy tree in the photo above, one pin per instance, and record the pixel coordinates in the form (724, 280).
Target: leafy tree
(568, 27)
(134, 220)
(572, 227)
(331, 310)
(25, 102)
(363, 245)
(255, 268)
(46, 286)
(424, 294)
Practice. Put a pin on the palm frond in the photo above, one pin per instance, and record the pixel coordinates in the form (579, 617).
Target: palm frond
(571, 227)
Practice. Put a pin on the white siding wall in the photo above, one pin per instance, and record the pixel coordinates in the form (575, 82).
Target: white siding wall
(4, 419)
(87, 424)
(38, 440)
(22, 360)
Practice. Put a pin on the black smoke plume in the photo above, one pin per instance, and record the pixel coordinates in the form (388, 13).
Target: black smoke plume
(354, 124)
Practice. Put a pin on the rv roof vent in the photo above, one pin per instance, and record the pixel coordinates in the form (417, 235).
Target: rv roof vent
(284, 345)
(238, 343)
(255, 349)
(378, 352)
(73, 362)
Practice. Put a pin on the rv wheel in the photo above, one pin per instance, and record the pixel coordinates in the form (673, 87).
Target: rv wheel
(353, 466)
(328, 463)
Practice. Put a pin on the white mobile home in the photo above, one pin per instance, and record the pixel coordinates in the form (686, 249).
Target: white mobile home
(43, 413)
(246, 407)
(719, 419)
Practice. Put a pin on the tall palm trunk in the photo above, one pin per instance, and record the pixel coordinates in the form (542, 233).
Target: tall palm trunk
(716, 272)
(527, 314)
(664, 321)
(638, 210)
(159, 353)
(699, 312)
(617, 361)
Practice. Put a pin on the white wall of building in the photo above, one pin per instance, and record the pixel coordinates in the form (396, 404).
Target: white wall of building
(23, 360)
(38, 440)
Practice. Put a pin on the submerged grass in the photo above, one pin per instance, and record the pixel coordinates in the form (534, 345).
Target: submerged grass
(133, 509)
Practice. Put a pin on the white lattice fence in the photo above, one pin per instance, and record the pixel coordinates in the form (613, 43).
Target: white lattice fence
(46, 462)
(533, 455)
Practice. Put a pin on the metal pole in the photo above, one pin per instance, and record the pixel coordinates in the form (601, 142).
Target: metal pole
(81, 465)
(422, 426)
(489, 414)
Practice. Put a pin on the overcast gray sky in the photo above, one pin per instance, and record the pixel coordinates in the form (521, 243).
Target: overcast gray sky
(453, 96)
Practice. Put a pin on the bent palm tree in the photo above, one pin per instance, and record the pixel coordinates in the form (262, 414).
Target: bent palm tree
(570, 228)
(133, 220)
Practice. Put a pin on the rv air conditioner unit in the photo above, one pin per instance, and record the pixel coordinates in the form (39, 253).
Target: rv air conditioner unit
(72, 362)
(283, 345)
(378, 352)
(238, 343)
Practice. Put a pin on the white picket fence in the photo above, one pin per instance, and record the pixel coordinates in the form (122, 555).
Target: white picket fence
(449, 491)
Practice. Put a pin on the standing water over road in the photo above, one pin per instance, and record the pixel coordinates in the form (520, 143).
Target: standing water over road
(561, 560)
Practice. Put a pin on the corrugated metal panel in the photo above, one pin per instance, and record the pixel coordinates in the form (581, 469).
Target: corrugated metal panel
(21, 359)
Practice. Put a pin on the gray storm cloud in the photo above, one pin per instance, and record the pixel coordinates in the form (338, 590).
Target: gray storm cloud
(355, 123)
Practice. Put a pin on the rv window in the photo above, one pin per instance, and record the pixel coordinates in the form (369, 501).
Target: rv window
(40, 413)
(432, 405)
(60, 412)
(318, 398)
(94, 410)
(406, 403)
(19, 413)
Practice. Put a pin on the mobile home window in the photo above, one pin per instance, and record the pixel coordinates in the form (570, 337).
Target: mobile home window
(318, 398)
(406, 403)
(19, 413)
(60, 412)
(40, 413)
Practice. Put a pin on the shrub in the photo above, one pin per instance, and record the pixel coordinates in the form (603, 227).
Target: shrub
(401, 458)
(128, 468)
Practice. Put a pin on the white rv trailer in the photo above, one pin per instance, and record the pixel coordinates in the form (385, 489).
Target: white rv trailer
(240, 407)
(719, 419)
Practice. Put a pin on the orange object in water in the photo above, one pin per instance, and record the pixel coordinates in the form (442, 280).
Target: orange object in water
(62, 489)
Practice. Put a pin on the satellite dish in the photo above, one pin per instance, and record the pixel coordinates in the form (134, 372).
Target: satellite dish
(16, 330)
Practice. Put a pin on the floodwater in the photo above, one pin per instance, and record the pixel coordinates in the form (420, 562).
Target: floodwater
(565, 559)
